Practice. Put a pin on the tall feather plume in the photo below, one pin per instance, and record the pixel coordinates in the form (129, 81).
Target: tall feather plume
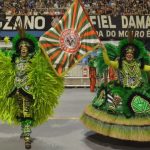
(21, 29)
(131, 35)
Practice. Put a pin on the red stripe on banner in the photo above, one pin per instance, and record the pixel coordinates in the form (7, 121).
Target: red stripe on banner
(59, 70)
(50, 34)
(58, 28)
(71, 60)
(64, 59)
(74, 14)
(81, 23)
(46, 45)
(86, 34)
(86, 47)
(54, 55)
(65, 18)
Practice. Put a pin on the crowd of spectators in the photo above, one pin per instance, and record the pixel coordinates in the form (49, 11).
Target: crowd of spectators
(58, 7)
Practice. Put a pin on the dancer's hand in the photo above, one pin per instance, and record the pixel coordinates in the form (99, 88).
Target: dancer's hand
(102, 46)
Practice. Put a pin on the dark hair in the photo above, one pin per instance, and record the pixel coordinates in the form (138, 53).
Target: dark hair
(142, 63)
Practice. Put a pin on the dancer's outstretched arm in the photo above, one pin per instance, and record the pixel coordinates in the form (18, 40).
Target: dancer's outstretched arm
(107, 61)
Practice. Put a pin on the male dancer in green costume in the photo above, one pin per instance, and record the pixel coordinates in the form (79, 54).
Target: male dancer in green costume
(29, 88)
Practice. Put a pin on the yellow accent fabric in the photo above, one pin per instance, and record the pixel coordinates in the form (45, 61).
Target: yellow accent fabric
(146, 68)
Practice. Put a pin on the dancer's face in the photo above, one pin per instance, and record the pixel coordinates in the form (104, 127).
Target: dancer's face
(129, 56)
(24, 51)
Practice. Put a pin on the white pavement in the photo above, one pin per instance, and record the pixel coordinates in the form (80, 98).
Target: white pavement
(65, 131)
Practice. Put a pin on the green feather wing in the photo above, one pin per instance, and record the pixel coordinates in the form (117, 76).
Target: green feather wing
(46, 88)
(7, 75)
(6, 52)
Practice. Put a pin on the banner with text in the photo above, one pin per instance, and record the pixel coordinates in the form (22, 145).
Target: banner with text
(108, 27)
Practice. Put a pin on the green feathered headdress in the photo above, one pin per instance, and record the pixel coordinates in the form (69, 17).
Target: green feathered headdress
(24, 38)
(140, 51)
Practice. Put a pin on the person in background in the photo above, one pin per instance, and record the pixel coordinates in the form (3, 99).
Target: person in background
(92, 72)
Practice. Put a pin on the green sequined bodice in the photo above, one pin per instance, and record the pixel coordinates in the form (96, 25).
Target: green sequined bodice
(21, 66)
(130, 74)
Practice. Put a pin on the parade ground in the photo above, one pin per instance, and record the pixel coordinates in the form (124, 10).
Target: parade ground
(65, 131)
